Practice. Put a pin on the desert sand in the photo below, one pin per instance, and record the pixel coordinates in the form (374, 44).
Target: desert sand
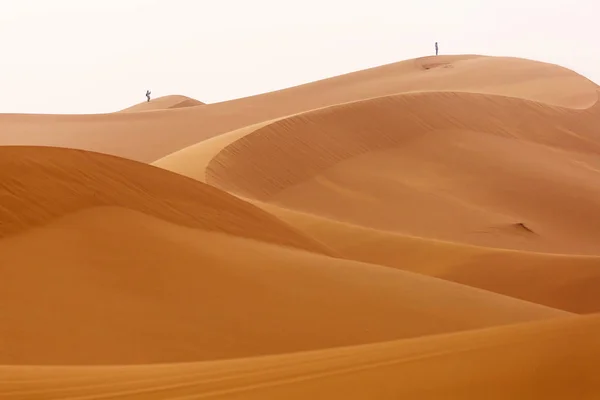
(426, 229)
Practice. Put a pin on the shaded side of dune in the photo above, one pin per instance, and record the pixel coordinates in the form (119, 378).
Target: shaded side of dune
(38, 184)
(302, 146)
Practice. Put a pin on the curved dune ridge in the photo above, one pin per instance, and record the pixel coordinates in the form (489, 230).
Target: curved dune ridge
(153, 135)
(334, 134)
(564, 282)
(164, 103)
(39, 184)
(474, 169)
(425, 229)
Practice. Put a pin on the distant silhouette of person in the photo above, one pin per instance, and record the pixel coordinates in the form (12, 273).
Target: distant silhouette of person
(148, 95)
(436, 48)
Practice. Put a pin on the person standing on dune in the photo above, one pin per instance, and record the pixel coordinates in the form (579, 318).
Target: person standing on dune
(148, 95)
(436, 48)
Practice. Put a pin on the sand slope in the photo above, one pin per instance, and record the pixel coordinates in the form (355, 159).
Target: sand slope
(38, 184)
(475, 168)
(194, 160)
(150, 136)
(566, 282)
(424, 229)
(549, 360)
(110, 285)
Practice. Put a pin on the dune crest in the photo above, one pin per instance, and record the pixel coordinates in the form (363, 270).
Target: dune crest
(39, 184)
(149, 136)
(164, 103)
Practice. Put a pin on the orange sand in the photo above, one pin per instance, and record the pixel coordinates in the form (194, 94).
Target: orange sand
(426, 229)
(161, 281)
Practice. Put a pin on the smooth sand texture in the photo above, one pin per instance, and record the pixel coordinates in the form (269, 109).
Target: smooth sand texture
(172, 294)
(564, 282)
(426, 229)
(544, 360)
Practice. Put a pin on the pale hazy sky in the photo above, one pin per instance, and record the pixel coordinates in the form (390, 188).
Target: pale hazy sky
(83, 56)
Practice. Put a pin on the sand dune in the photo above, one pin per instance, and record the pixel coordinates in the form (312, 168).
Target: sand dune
(566, 282)
(39, 184)
(171, 294)
(164, 103)
(150, 136)
(475, 169)
(424, 229)
(193, 161)
(542, 360)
